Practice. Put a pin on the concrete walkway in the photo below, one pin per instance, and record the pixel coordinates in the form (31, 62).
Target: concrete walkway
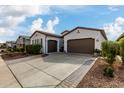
(7, 80)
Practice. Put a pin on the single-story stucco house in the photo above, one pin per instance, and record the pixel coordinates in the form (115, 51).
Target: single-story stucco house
(77, 40)
(121, 36)
(49, 42)
(22, 41)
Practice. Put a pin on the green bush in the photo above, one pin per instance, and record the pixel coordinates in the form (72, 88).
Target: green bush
(121, 42)
(33, 49)
(16, 49)
(21, 50)
(9, 49)
(97, 51)
(109, 71)
(104, 48)
(117, 48)
(109, 51)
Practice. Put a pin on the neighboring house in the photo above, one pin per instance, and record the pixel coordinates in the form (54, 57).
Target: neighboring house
(83, 40)
(121, 36)
(10, 44)
(22, 41)
(78, 40)
(2, 45)
(49, 42)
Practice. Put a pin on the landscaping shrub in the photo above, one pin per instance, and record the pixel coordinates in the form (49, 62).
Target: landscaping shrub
(104, 48)
(109, 50)
(9, 49)
(117, 48)
(121, 42)
(21, 50)
(97, 51)
(16, 49)
(33, 49)
(109, 71)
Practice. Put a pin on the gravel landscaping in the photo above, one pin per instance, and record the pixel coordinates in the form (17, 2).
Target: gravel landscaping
(95, 78)
(11, 56)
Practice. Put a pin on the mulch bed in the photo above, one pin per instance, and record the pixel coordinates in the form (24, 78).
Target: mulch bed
(95, 78)
(11, 56)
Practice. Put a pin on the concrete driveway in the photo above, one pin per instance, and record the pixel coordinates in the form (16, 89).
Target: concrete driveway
(50, 71)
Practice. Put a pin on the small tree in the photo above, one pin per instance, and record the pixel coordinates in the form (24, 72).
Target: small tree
(121, 42)
(104, 48)
(109, 53)
(117, 48)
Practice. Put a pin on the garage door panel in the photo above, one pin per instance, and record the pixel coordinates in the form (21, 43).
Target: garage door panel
(81, 46)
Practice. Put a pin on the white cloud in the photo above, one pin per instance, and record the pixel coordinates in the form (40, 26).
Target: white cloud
(51, 24)
(71, 7)
(113, 8)
(1, 41)
(12, 16)
(6, 32)
(23, 10)
(113, 30)
(119, 21)
(37, 25)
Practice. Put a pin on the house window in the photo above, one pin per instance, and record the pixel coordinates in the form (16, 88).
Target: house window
(32, 41)
(41, 42)
(37, 41)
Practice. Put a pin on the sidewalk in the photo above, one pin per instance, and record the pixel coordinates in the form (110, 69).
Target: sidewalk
(7, 80)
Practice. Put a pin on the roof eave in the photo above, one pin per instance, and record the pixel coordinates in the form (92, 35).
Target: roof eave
(47, 34)
(88, 29)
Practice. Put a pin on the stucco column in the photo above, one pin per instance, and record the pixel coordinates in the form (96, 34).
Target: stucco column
(46, 49)
(65, 46)
(58, 45)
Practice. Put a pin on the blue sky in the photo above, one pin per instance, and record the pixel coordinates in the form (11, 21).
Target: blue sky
(24, 20)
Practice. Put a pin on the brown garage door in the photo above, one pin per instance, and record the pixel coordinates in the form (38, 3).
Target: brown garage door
(81, 46)
(52, 46)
